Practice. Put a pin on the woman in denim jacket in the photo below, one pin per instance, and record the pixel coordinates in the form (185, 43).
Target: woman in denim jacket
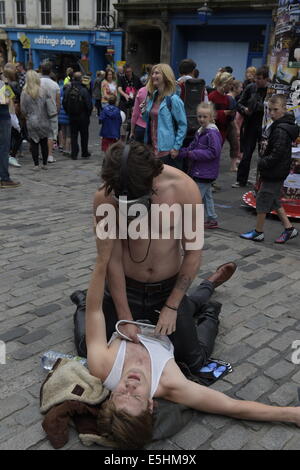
(165, 116)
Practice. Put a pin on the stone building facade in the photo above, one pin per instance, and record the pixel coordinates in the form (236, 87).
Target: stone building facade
(236, 31)
(77, 33)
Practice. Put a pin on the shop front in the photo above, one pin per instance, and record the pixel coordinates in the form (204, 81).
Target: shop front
(86, 51)
(236, 38)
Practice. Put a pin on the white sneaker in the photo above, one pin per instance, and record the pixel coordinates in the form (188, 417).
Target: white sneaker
(51, 159)
(12, 161)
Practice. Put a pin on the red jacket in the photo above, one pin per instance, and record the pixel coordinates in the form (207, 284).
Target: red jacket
(221, 102)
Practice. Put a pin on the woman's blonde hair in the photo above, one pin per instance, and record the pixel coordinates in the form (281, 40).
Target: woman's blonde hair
(168, 77)
(9, 71)
(33, 84)
(221, 79)
(210, 106)
(251, 70)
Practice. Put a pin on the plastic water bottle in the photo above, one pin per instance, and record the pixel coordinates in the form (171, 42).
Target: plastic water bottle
(50, 357)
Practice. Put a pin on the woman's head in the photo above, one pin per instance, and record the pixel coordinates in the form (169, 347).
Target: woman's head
(33, 84)
(250, 73)
(110, 75)
(223, 81)
(123, 429)
(162, 78)
(206, 114)
(236, 87)
(9, 71)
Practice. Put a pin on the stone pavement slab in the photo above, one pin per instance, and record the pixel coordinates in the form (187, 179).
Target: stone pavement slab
(48, 251)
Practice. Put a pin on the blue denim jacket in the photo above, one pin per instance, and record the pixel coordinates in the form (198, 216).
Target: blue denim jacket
(168, 137)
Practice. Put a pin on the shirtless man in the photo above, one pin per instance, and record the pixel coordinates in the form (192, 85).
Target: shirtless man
(136, 373)
(148, 278)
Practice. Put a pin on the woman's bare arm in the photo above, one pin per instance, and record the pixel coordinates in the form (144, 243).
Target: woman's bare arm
(95, 322)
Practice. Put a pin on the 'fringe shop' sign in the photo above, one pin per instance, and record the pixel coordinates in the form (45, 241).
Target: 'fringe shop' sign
(54, 42)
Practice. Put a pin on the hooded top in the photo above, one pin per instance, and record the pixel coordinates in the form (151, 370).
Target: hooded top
(275, 161)
(111, 120)
(204, 153)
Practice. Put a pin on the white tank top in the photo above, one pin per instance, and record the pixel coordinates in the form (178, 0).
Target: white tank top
(160, 353)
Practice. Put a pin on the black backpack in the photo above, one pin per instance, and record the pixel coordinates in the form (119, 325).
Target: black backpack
(74, 101)
(193, 96)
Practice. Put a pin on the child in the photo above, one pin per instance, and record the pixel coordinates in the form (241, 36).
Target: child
(110, 118)
(204, 159)
(274, 166)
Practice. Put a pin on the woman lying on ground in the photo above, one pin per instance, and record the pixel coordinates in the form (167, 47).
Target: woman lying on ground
(138, 373)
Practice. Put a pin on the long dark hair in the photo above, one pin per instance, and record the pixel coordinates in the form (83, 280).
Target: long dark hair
(142, 167)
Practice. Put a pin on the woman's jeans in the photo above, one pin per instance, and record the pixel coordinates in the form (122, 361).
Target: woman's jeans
(5, 136)
(193, 344)
(207, 198)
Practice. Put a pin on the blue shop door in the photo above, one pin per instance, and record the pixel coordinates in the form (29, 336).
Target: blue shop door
(210, 56)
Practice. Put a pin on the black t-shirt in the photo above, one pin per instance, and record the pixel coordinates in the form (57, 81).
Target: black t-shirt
(130, 87)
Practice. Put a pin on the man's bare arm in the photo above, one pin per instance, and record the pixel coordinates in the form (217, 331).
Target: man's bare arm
(190, 263)
(115, 275)
(117, 288)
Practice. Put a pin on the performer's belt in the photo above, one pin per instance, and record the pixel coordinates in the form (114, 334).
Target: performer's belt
(151, 287)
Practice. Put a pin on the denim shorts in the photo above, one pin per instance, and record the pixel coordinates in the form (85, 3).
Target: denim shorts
(268, 197)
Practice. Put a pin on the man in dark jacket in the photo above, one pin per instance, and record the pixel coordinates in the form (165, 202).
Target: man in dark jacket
(251, 106)
(78, 105)
(274, 166)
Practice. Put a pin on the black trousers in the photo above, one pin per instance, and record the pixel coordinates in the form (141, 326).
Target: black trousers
(79, 126)
(98, 106)
(16, 141)
(193, 345)
(251, 135)
(35, 150)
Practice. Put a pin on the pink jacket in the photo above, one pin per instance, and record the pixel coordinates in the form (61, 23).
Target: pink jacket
(136, 119)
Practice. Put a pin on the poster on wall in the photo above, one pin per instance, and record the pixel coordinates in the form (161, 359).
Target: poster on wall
(284, 75)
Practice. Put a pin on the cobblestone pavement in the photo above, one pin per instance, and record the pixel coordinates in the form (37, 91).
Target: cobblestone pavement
(48, 251)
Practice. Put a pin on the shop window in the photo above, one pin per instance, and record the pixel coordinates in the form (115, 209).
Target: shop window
(2, 13)
(21, 12)
(45, 12)
(73, 12)
(102, 13)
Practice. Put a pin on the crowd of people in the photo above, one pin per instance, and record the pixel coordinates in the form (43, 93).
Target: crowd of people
(182, 130)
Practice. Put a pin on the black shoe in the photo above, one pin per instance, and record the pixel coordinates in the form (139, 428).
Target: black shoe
(79, 298)
(73, 158)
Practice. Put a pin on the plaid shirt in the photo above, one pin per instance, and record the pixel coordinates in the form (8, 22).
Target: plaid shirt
(22, 79)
